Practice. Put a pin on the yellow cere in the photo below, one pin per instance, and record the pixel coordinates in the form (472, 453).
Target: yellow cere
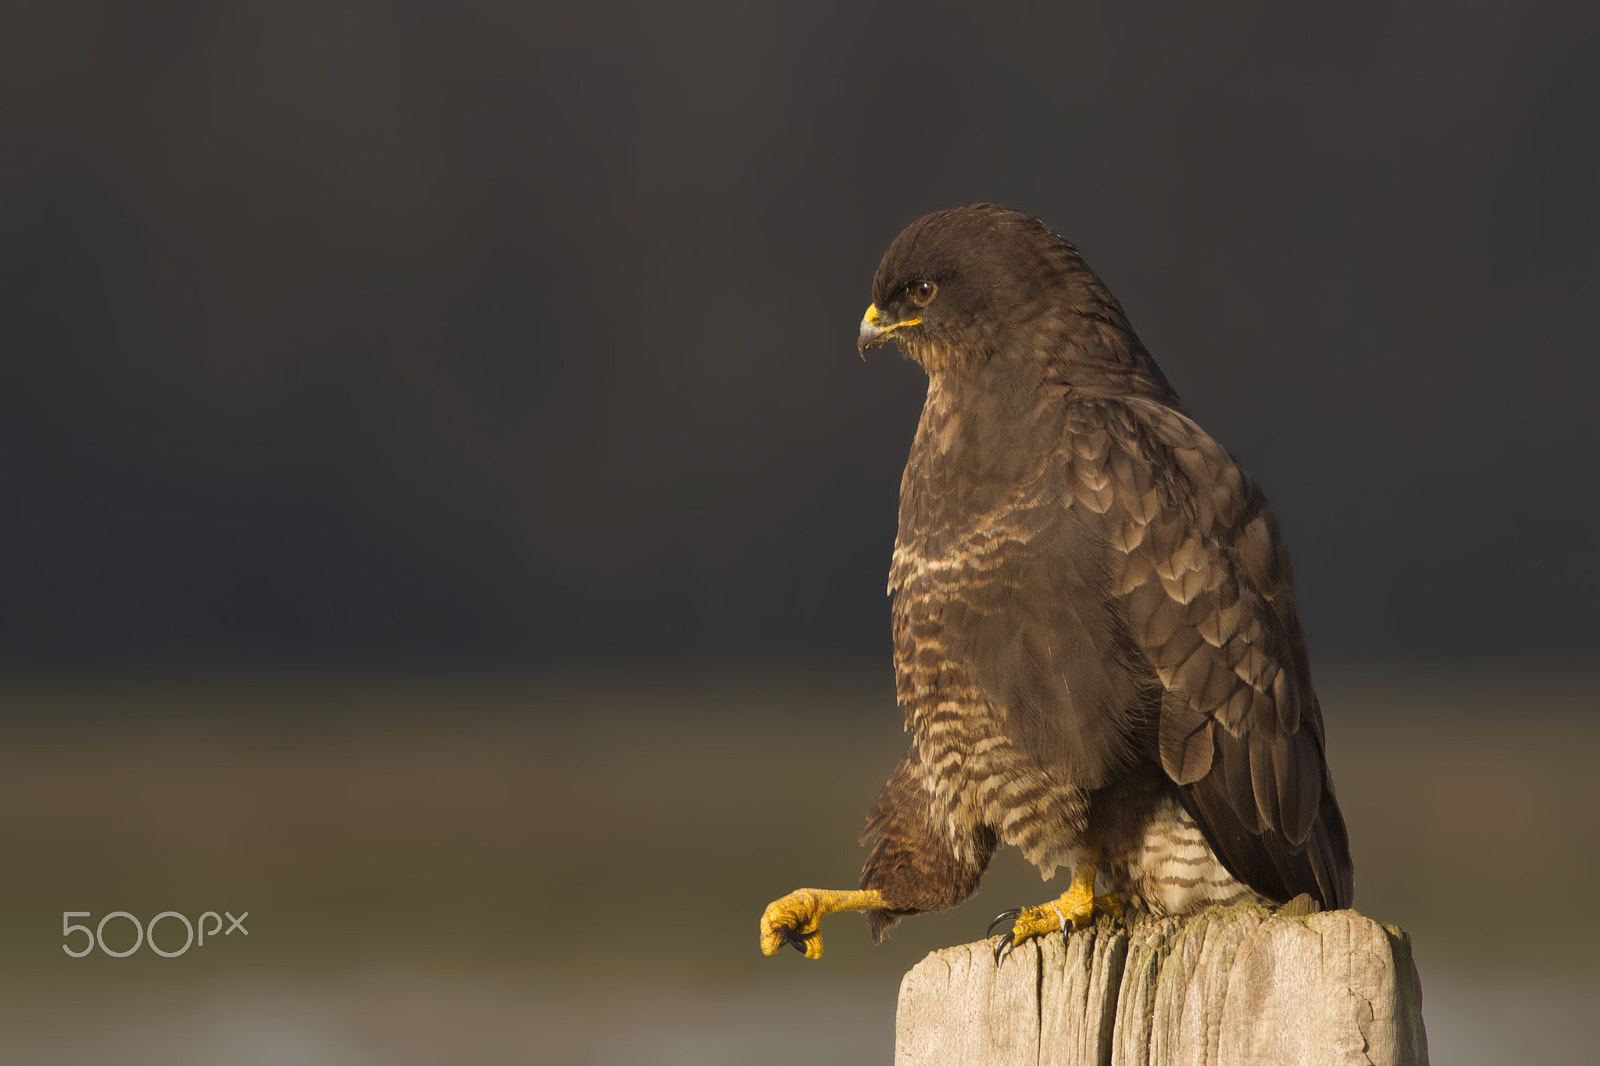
(874, 318)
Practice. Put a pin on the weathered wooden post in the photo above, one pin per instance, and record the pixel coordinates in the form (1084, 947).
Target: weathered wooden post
(1236, 987)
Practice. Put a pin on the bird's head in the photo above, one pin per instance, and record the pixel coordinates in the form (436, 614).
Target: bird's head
(958, 287)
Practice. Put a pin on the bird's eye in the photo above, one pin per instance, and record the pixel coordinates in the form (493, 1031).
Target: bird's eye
(922, 292)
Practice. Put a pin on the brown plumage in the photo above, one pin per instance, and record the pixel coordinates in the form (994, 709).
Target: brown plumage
(1096, 639)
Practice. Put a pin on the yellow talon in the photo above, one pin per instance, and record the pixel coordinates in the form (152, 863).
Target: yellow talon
(1074, 910)
(1110, 904)
(794, 918)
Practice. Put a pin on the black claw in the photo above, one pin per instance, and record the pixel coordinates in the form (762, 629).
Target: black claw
(1004, 916)
(793, 939)
(1003, 948)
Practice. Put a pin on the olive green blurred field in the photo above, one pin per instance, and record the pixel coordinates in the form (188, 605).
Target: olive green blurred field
(572, 866)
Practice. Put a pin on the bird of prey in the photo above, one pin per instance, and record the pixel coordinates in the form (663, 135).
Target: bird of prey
(1096, 642)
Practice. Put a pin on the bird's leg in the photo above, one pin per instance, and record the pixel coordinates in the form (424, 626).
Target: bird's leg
(794, 919)
(1074, 910)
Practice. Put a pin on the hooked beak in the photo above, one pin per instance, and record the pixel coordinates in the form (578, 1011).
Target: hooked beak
(874, 332)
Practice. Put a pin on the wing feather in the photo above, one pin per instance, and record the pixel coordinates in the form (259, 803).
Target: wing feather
(1208, 596)
(1134, 600)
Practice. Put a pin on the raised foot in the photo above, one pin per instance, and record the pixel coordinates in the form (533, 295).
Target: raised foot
(794, 919)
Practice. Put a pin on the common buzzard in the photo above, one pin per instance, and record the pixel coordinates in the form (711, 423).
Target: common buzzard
(1096, 640)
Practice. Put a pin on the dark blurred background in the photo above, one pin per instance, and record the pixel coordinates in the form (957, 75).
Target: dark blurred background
(420, 417)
